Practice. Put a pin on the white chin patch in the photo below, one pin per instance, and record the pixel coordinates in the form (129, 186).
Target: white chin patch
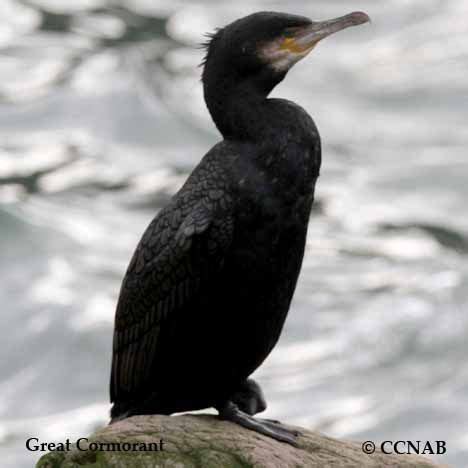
(280, 58)
(286, 62)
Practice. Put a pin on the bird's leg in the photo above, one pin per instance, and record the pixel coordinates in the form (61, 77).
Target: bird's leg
(230, 412)
(249, 397)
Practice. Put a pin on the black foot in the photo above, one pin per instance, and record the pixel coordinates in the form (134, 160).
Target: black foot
(231, 412)
(273, 421)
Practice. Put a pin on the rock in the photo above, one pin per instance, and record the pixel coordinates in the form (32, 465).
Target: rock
(203, 441)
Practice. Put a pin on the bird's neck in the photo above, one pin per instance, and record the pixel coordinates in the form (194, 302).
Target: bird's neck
(238, 109)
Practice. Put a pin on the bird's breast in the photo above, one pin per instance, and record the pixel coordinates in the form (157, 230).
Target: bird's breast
(269, 237)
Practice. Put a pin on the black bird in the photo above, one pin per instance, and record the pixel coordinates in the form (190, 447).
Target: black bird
(209, 286)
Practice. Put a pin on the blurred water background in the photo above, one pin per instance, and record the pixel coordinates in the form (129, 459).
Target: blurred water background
(102, 119)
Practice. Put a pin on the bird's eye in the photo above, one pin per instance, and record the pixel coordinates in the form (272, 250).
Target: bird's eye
(290, 32)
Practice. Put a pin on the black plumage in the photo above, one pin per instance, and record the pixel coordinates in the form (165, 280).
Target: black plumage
(208, 289)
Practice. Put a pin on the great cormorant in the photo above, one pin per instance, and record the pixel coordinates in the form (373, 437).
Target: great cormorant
(209, 286)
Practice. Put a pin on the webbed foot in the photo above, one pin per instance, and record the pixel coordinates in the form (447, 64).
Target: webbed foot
(230, 412)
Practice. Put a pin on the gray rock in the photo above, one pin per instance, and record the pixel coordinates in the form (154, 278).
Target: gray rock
(202, 441)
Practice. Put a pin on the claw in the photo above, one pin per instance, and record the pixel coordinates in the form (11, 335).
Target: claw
(278, 426)
(230, 412)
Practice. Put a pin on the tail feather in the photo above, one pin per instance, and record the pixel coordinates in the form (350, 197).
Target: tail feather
(118, 412)
(149, 405)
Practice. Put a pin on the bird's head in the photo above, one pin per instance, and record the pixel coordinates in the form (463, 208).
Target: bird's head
(262, 47)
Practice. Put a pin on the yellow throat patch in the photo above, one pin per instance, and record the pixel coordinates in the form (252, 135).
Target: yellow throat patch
(291, 45)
